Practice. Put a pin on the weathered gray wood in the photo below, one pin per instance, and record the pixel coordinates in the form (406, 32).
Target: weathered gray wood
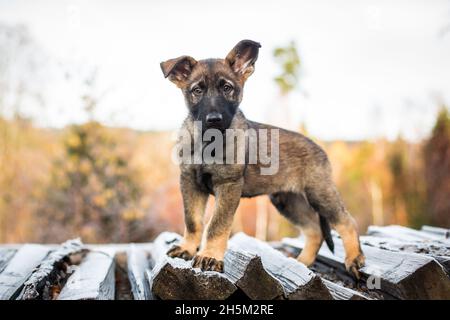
(444, 233)
(404, 233)
(51, 271)
(402, 275)
(342, 293)
(440, 252)
(19, 268)
(137, 265)
(6, 255)
(122, 288)
(401, 238)
(248, 273)
(175, 279)
(337, 290)
(148, 278)
(297, 280)
(93, 279)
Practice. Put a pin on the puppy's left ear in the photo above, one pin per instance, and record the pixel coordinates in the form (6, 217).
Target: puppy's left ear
(178, 69)
(242, 58)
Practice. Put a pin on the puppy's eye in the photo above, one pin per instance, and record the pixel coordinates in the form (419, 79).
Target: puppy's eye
(227, 88)
(197, 91)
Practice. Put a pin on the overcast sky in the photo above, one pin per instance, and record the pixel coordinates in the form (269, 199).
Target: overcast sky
(370, 68)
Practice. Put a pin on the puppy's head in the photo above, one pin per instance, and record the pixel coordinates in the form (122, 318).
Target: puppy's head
(213, 88)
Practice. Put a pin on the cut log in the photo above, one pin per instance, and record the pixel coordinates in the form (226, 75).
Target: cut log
(333, 282)
(404, 234)
(175, 279)
(148, 279)
(248, 273)
(439, 252)
(137, 265)
(122, 285)
(19, 268)
(444, 233)
(401, 275)
(342, 293)
(52, 272)
(297, 280)
(6, 255)
(93, 279)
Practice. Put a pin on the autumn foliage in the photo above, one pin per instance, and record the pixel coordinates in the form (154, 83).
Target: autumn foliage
(114, 185)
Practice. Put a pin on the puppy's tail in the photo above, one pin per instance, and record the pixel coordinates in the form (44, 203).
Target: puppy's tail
(326, 232)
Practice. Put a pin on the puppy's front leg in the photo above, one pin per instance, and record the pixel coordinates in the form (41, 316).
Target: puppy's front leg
(215, 240)
(194, 202)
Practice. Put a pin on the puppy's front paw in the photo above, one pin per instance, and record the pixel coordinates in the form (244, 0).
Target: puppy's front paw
(207, 263)
(354, 264)
(179, 252)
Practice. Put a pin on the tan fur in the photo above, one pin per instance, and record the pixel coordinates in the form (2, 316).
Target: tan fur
(313, 241)
(354, 259)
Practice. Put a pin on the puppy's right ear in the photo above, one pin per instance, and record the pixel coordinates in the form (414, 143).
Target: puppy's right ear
(178, 69)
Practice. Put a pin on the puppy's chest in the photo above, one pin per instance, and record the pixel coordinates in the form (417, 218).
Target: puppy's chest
(207, 176)
(203, 180)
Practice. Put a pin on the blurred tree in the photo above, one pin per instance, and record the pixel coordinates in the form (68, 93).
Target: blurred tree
(407, 195)
(287, 82)
(289, 61)
(93, 193)
(437, 170)
(91, 189)
(25, 154)
(20, 62)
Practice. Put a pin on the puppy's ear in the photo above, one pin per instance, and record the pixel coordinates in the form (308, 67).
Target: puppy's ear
(178, 69)
(243, 57)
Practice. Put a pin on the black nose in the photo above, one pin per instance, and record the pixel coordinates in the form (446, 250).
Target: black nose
(213, 118)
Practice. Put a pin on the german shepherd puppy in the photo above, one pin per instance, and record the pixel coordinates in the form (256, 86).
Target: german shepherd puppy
(302, 190)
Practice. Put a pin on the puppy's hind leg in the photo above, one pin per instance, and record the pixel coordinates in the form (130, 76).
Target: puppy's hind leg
(325, 199)
(296, 209)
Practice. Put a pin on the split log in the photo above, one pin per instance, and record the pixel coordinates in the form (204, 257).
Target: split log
(248, 273)
(137, 265)
(342, 293)
(93, 279)
(444, 233)
(52, 272)
(401, 275)
(439, 252)
(175, 279)
(297, 280)
(404, 234)
(19, 268)
(6, 255)
(148, 279)
(337, 290)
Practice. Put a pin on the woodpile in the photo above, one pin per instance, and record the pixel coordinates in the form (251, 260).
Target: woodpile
(401, 263)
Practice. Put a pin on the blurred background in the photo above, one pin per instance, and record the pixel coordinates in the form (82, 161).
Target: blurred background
(87, 120)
